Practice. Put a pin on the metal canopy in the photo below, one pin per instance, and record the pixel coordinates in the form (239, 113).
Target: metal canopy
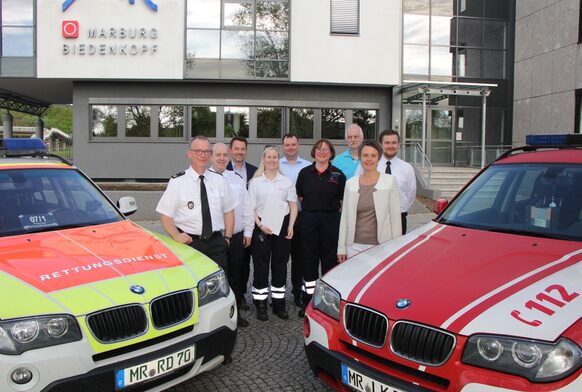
(20, 103)
(431, 92)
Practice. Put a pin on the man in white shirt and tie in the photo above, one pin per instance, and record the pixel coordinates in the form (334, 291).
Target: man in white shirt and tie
(243, 225)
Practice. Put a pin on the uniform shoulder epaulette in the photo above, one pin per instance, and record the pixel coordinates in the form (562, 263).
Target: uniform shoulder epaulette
(179, 174)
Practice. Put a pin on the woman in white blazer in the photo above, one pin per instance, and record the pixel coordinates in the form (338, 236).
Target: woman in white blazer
(370, 208)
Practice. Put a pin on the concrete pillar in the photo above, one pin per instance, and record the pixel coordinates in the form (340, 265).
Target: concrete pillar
(39, 131)
(7, 125)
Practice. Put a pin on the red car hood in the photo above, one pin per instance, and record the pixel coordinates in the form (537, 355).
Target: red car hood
(469, 281)
(57, 260)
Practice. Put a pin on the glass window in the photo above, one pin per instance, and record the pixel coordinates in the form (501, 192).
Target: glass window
(419, 7)
(236, 121)
(237, 44)
(137, 121)
(468, 63)
(17, 13)
(269, 122)
(17, 41)
(470, 32)
(441, 60)
(497, 9)
(367, 120)
(333, 124)
(272, 69)
(204, 121)
(301, 122)
(345, 17)
(471, 7)
(272, 15)
(415, 60)
(203, 14)
(442, 30)
(171, 121)
(238, 14)
(104, 122)
(494, 64)
(416, 29)
(441, 7)
(203, 44)
(495, 33)
(272, 45)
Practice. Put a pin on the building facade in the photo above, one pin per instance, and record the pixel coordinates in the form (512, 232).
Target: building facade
(548, 68)
(145, 76)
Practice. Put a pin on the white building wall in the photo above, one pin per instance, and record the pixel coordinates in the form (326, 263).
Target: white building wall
(372, 57)
(157, 54)
(548, 67)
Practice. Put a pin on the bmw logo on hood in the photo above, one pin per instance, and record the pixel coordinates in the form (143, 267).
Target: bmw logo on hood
(402, 303)
(137, 289)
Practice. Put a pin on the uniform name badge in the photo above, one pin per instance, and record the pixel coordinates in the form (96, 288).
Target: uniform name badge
(190, 204)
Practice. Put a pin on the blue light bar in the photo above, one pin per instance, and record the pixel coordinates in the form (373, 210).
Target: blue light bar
(554, 140)
(22, 146)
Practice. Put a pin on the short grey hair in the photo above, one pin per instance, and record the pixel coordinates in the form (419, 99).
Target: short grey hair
(355, 126)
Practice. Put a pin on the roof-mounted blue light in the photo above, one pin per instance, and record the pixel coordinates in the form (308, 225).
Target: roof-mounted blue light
(22, 146)
(565, 139)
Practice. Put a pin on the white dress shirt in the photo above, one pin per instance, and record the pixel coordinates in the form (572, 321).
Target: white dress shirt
(241, 172)
(243, 212)
(292, 170)
(181, 201)
(405, 178)
(261, 188)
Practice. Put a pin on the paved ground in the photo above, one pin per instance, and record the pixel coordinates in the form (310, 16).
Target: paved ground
(269, 355)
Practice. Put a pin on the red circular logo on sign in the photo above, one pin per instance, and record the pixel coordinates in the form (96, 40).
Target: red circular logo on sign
(70, 29)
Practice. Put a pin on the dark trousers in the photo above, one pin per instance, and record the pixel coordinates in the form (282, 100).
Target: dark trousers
(236, 256)
(296, 267)
(215, 247)
(270, 252)
(403, 219)
(319, 232)
(245, 270)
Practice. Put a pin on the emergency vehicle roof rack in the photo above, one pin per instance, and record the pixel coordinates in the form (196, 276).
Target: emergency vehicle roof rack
(549, 142)
(27, 147)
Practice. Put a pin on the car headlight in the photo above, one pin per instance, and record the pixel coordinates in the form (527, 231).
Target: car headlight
(213, 287)
(536, 361)
(20, 335)
(326, 300)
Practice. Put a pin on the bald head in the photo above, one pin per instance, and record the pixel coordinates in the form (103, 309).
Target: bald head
(219, 158)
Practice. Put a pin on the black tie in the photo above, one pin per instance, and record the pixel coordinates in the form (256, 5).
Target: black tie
(388, 170)
(206, 219)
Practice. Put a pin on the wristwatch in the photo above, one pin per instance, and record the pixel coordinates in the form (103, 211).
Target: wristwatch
(227, 239)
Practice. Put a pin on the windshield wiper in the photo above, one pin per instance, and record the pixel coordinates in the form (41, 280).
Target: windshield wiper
(53, 228)
(453, 223)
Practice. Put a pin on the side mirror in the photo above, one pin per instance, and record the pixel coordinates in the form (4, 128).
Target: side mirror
(440, 205)
(127, 205)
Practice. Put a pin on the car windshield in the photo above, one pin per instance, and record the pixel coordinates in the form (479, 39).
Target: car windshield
(33, 200)
(541, 200)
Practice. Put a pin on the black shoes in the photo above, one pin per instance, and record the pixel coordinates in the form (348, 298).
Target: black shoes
(281, 313)
(262, 312)
(241, 322)
(242, 304)
(301, 312)
(298, 297)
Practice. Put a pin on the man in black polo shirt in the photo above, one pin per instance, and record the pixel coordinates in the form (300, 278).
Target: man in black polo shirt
(320, 187)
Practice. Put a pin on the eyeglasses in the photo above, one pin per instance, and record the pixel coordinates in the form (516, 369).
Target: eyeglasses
(322, 150)
(201, 152)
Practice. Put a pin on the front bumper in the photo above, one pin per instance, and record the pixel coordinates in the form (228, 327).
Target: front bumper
(218, 344)
(77, 367)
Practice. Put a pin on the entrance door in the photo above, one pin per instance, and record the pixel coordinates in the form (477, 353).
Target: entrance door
(440, 136)
(439, 132)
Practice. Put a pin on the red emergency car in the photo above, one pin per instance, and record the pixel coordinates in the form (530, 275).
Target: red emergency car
(487, 297)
